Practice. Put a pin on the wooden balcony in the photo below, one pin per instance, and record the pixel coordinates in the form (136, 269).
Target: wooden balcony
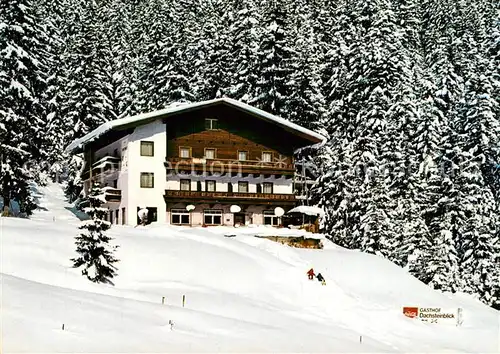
(113, 195)
(223, 166)
(229, 197)
(102, 167)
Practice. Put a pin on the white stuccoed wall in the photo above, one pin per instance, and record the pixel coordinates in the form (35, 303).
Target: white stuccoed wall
(148, 197)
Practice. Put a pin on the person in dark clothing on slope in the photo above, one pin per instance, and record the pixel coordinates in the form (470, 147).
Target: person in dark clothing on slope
(310, 274)
(321, 279)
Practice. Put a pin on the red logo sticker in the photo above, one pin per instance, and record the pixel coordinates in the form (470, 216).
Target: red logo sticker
(411, 312)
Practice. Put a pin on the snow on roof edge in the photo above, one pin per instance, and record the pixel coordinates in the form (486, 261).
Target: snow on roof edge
(176, 108)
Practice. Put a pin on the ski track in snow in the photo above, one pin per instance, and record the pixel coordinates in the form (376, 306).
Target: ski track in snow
(243, 294)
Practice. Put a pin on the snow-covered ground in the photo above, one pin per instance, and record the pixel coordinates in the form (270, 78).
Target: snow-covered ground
(243, 294)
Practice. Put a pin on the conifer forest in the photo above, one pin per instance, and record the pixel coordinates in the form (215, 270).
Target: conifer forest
(406, 93)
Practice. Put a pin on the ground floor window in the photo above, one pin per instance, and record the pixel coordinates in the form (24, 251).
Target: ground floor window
(270, 218)
(210, 186)
(179, 217)
(212, 217)
(123, 216)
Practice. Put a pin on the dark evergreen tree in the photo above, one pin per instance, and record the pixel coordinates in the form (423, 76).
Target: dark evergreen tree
(274, 59)
(243, 32)
(165, 70)
(86, 104)
(120, 59)
(95, 255)
(54, 15)
(21, 100)
(74, 186)
(211, 52)
(366, 139)
(306, 104)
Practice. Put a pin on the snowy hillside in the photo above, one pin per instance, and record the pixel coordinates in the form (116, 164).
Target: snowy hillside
(243, 294)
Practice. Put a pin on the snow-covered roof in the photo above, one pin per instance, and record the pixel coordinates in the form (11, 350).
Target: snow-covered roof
(308, 210)
(179, 108)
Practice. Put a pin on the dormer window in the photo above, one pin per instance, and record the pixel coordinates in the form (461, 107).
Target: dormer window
(211, 124)
(242, 155)
(185, 152)
(267, 156)
(210, 154)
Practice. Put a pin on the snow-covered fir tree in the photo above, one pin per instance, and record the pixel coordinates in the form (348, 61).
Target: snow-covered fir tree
(165, 69)
(211, 52)
(306, 104)
(86, 105)
(95, 255)
(120, 59)
(74, 186)
(243, 32)
(274, 58)
(21, 101)
(54, 21)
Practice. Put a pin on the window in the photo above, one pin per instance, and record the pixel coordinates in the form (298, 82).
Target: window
(117, 214)
(185, 152)
(242, 155)
(212, 217)
(147, 180)
(270, 218)
(123, 216)
(230, 187)
(147, 148)
(267, 188)
(267, 157)
(111, 216)
(211, 124)
(242, 187)
(210, 186)
(179, 217)
(185, 184)
(210, 154)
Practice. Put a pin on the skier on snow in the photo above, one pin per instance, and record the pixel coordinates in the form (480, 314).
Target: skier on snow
(321, 279)
(310, 274)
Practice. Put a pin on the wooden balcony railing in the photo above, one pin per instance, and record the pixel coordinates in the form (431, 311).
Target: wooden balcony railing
(102, 167)
(230, 165)
(231, 197)
(113, 194)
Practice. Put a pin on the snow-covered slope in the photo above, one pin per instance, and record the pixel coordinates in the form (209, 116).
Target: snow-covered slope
(243, 294)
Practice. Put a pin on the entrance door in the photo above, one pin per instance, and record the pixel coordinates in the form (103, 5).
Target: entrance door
(239, 218)
(152, 215)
